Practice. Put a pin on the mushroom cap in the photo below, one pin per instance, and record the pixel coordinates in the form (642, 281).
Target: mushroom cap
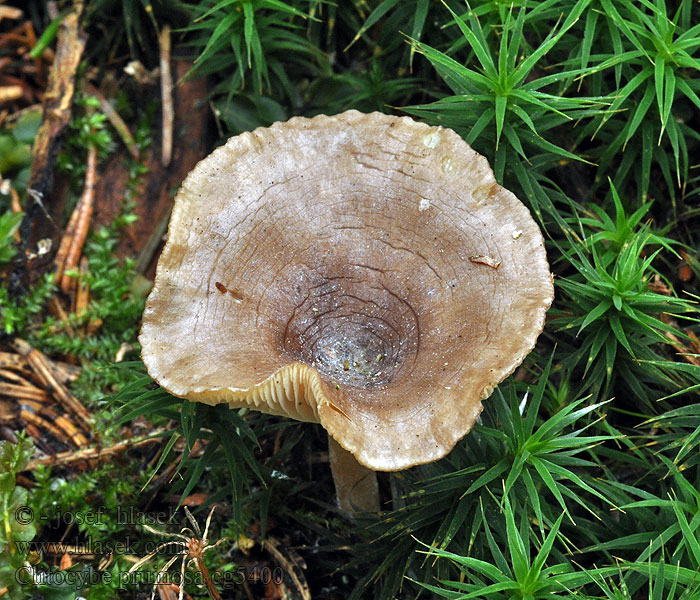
(362, 271)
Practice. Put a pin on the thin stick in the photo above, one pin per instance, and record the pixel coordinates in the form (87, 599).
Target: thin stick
(166, 90)
(145, 257)
(14, 378)
(16, 208)
(47, 412)
(208, 582)
(35, 406)
(64, 246)
(23, 392)
(87, 203)
(10, 360)
(76, 436)
(46, 375)
(82, 298)
(10, 93)
(56, 309)
(10, 12)
(15, 203)
(71, 456)
(290, 566)
(63, 371)
(117, 122)
(37, 421)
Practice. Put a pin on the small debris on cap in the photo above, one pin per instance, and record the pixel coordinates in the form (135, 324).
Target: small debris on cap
(482, 259)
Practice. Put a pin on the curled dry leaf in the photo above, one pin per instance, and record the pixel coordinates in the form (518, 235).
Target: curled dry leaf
(348, 238)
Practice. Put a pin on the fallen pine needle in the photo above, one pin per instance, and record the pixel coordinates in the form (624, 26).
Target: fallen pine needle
(82, 223)
(43, 424)
(71, 456)
(64, 246)
(16, 208)
(10, 12)
(117, 122)
(166, 90)
(46, 375)
(9, 93)
(82, 298)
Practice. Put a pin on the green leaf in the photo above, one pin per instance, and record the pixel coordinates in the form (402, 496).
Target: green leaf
(689, 536)
(500, 103)
(495, 471)
(602, 308)
(419, 17)
(543, 554)
(382, 8)
(475, 37)
(619, 332)
(617, 301)
(221, 28)
(9, 223)
(47, 36)
(516, 545)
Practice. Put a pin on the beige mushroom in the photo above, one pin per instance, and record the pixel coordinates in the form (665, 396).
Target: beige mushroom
(362, 271)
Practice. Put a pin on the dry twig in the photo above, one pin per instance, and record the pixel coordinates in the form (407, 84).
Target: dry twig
(66, 240)
(23, 392)
(38, 222)
(84, 208)
(71, 456)
(82, 298)
(10, 93)
(43, 424)
(45, 373)
(166, 89)
(15, 203)
(13, 377)
(67, 426)
(293, 566)
(65, 372)
(10, 12)
(117, 122)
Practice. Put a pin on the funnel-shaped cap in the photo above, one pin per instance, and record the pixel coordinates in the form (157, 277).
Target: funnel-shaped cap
(361, 271)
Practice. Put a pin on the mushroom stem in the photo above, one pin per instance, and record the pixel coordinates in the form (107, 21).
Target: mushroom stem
(355, 485)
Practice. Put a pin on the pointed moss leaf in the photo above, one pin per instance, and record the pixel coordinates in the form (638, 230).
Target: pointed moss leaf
(461, 79)
(500, 103)
(619, 333)
(222, 27)
(687, 91)
(419, 17)
(144, 405)
(496, 471)
(539, 561)
(516, 545)
(475, 37)
(195, 473)
(690, 537)
(602, 308)
(669, 93)
(381, 9)
(550, 484)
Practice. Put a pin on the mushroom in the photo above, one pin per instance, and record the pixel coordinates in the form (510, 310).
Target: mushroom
(361, 271)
